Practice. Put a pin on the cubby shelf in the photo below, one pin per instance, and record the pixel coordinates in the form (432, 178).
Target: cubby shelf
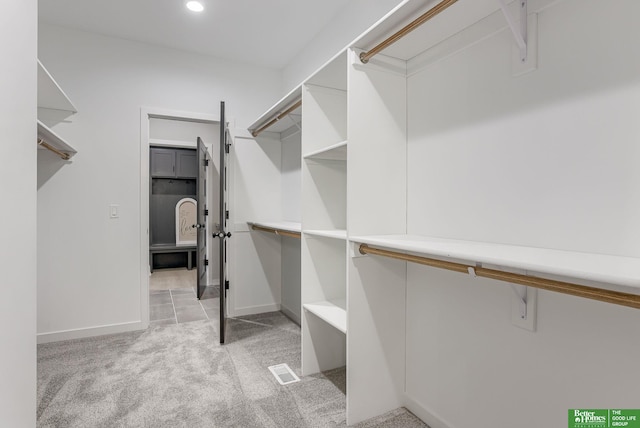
(332, 312)
(334, 152)
(335, 234)
(615, 270)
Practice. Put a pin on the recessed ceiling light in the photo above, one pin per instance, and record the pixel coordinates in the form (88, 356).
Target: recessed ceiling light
(195, 6)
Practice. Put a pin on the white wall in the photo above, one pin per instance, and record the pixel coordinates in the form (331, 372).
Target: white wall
(18, 32)
(549, 159)
(356, 17)
(88, 264)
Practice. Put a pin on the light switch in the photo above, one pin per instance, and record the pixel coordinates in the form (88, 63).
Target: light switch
(114, 211)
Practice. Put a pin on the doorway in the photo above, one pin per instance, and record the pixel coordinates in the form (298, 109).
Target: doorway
(169, 272)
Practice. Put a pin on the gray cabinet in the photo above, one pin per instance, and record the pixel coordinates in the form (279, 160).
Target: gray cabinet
(163, 162)
(186, 164)
(173, 163)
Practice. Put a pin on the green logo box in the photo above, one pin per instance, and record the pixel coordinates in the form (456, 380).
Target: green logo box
(604, 418)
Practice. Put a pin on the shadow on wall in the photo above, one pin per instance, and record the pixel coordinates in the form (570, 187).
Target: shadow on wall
(48, 164)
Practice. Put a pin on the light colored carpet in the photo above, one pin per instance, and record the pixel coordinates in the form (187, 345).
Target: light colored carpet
(180, 376)
(171, 279)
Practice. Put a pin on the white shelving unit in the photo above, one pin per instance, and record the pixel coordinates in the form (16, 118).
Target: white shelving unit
(448, 145)
(324, 209)
(441, 166)
(53, 107)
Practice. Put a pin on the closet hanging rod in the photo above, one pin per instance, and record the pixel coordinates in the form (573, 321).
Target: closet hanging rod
(276, 231)
(277, 118)
(593, 293)
(47, 146)
(440, 7)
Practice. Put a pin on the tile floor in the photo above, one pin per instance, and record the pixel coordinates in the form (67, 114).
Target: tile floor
(169, 279)
(172, 298)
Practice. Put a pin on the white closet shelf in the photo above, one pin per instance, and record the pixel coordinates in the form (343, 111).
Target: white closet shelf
(280, 106)
(54, 140)
(287, 226)
(334, 152)
(333, 312)
(50, 95)
(328, 233)
(606, 269)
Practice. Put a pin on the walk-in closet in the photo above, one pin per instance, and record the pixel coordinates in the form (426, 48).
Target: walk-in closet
(394, 213)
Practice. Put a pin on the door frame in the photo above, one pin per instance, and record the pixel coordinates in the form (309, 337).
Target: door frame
(147, 113)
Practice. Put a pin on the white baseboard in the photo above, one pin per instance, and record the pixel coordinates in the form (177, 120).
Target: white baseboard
(427, 416)
(290, 314)
(251, 310)
(80, 333)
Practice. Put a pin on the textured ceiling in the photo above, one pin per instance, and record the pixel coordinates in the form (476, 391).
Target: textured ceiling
(262, 32)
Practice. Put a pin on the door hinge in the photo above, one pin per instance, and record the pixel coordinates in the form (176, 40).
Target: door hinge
(206, 262)
(226, 214)
(226, 285)
(226, 147)
(206, 162)
(206, 211)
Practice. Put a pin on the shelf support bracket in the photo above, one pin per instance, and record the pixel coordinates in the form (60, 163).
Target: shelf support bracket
(294, 122)
(519, 31)
(522, 292)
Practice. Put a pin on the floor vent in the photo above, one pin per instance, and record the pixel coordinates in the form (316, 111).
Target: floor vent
(284, 374)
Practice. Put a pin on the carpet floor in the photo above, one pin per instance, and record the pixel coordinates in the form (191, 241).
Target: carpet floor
(180, 376)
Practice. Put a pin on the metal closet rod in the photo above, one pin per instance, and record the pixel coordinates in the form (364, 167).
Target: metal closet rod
(47, 146)
(440, 7)
(277, 118)
(602, 295)
(276, 231)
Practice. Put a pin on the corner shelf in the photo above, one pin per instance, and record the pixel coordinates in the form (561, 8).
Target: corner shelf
(334, 152)
(335, 233)
(332, 312)
(601, 268)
